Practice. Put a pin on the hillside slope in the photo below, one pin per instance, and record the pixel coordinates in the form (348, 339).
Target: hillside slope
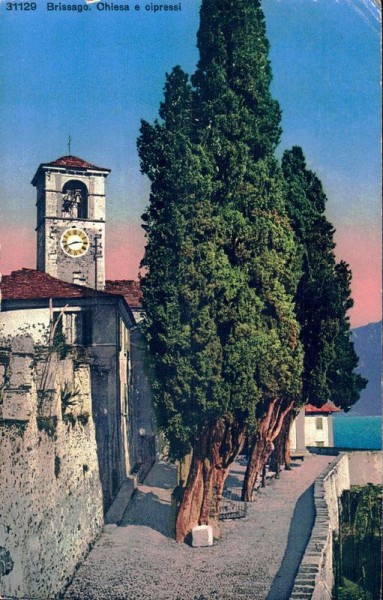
(367, 341)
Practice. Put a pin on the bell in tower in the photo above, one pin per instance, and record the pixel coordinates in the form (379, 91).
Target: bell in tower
(71, 221)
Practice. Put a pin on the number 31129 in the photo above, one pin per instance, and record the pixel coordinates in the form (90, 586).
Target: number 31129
(21, 6)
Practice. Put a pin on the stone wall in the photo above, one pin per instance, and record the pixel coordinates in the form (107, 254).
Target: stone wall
(50, 494)
(315, 578)
(108, 349)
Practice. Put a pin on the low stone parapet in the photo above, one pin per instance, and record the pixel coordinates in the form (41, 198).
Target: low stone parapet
(315, 578)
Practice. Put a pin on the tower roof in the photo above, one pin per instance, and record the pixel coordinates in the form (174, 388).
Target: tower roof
(74, 163)
(69, 162)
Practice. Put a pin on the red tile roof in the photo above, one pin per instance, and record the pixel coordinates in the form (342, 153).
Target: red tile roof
(71, 162)
(74, 163)
(128, 288)
(29, 284)
(326, 408)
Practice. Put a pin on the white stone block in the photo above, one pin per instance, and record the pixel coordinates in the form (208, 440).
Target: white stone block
(202, 535)
(18, 405)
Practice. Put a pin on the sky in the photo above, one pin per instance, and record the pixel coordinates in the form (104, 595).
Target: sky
(95, 74)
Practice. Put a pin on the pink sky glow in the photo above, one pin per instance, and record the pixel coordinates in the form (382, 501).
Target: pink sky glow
(125, 246)
(361, 250)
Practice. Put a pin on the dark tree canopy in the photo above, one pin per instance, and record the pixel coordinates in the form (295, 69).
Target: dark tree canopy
(178, 296)
(221, 260)
(245, 303)
(323, 296)
(233, 79)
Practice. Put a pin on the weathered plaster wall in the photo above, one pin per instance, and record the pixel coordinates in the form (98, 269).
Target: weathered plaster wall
(335, 480)
(315, 578)
(121, 402)
(34, 322)
(50, 493)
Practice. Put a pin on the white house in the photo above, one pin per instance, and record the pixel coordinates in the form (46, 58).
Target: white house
(313, 427)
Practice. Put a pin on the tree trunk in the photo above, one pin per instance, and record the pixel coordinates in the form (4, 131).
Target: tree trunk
(257, 459)
(235, 435)
(196, 487)
(276, 459)
(183, 469)
(268, 428)
(213, 452)
(287, 455)
(281, 454)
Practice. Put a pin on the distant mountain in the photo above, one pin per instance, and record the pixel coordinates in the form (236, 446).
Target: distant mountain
(367, 343)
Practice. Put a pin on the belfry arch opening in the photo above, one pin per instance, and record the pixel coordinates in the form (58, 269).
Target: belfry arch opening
(75, 200)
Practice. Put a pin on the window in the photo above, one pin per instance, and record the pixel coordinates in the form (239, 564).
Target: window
(319, 423)
(75, 200)
(320, 444)
(74, 328)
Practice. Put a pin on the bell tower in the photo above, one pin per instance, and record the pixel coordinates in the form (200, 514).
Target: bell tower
(71, 221)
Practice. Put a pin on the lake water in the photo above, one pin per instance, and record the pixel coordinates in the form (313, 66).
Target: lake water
(358, 432)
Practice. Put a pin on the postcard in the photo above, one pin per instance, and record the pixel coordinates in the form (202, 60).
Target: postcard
(190, 214)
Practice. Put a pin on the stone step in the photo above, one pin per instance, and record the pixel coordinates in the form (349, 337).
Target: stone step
(117, 509)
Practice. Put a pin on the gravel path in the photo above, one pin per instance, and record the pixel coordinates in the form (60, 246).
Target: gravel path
(139, 561)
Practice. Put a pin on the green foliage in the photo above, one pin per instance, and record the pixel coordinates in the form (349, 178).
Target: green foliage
(358, 546)
(362, 510)
(70, 418)
(83, 418)
(59, 343)
(240, 121)
(47, 424)
(323, 296)
(221, 263)
(80, 355)
(16, 428)
(353, 591)
(69, 396)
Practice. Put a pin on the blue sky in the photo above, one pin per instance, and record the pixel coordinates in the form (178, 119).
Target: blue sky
(96, 74)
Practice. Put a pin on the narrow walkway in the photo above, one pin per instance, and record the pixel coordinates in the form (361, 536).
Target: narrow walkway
(139, 561)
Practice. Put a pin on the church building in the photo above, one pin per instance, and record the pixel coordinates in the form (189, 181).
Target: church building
(94, 316)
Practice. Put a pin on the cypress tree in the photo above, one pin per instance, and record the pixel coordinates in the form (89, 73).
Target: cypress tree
(176, 295)
(344, 384)
(239, 125)
(323, 296)
(222, 267)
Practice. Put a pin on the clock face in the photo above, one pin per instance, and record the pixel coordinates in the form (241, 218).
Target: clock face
(75, 242)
